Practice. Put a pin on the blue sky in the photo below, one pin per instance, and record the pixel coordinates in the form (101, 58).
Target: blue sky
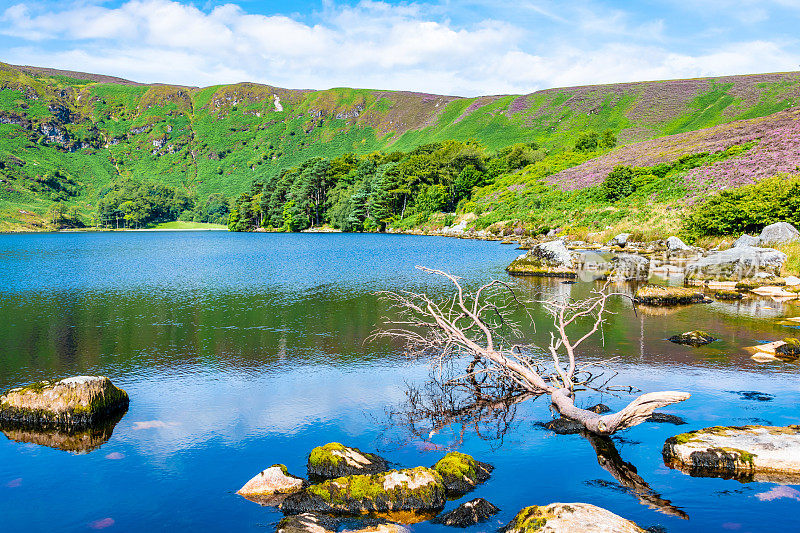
(452, 47)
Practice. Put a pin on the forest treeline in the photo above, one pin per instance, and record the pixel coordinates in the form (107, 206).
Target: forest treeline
(371, 192)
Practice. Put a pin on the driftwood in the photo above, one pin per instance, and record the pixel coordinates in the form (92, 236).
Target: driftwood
(474, 325)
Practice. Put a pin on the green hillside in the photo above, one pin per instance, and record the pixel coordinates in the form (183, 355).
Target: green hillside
(66, 137)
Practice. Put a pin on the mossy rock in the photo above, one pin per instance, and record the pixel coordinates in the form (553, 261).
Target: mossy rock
(461, 472)
(307, 523)
(790, 349)
(526, 265)
(658, 295)
(72, 403)
(568, 518)
(416, 489)
(728, 295)
(468, 514)
(693, 338)
(761, 453)
(334, 460)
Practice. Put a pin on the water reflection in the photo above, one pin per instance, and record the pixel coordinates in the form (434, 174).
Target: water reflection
(62, 438)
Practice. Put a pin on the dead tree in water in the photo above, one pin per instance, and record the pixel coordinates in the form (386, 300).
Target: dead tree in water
(470, 325)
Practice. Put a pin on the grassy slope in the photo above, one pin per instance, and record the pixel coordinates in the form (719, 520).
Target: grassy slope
(221, 138)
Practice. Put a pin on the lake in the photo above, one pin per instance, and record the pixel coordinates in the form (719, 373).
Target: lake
(240, 350)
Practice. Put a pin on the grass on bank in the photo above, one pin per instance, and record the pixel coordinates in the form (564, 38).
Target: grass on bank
(179, 224)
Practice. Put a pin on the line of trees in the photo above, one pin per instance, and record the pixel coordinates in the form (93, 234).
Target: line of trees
(367, 193)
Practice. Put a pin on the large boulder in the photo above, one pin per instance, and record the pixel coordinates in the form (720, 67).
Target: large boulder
(468, 514)
(778, 233)
(762, 453)
(620, 240)
(416, 489)
(461, 472)
(549, 259)
(569, 518)
(737, 263)
(76, 402)
(630, 267)
(674, 244)
(336, 460)
(745, 240)
(270, 485)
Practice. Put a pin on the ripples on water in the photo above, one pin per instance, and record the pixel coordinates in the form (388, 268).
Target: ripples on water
(242, 350)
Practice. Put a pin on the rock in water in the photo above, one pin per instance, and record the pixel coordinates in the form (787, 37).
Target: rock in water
(778, 233)
(693, 338)
(461, 473)
(674, 244)
(569, 518)
(790, 349)
(268, 486)
(307, 523)
(76, 402)
(549, 259)
(761, 453)
(336, 460)
(658, 295)
(468, 514)
(416, 489)
(630, 267)
(745, 240)
(736, 264)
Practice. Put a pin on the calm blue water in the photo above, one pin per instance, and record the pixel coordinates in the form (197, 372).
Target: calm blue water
(243, 350)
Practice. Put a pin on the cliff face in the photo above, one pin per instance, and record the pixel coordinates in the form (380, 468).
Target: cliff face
(84, 130)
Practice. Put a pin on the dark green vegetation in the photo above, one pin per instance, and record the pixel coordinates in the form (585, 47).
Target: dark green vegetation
(748, 208)
(68, 140)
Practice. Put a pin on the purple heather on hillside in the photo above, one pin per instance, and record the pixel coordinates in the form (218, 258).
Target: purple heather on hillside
(778, 150)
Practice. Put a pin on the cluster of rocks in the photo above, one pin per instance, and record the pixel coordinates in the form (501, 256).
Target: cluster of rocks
(355, 491)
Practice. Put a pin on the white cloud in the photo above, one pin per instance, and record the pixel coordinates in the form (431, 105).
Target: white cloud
(372, 44)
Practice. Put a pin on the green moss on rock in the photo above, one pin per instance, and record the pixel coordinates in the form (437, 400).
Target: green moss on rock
(461, 472)
(335, 460)
(416, 489)
(658, 295)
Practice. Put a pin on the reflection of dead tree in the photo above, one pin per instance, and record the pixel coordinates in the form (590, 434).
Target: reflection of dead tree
(625, 473)
(471, 325)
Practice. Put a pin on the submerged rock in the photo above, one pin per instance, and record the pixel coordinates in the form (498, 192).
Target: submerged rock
(335, 460)
(736, 264)
(778, 233)
(461, 473)
(665, 418)
(569, 518)
(658, 295)
(722, 294)
(76, 402)
(693, 338)
(549, 259)
(270, 485)
(761, 453)
(468, 514)
(416, 489)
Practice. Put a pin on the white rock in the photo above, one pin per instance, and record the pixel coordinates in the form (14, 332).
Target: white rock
(271, 481)
(570, 518)
(778, 233)
(745, 240)
(674, 244)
